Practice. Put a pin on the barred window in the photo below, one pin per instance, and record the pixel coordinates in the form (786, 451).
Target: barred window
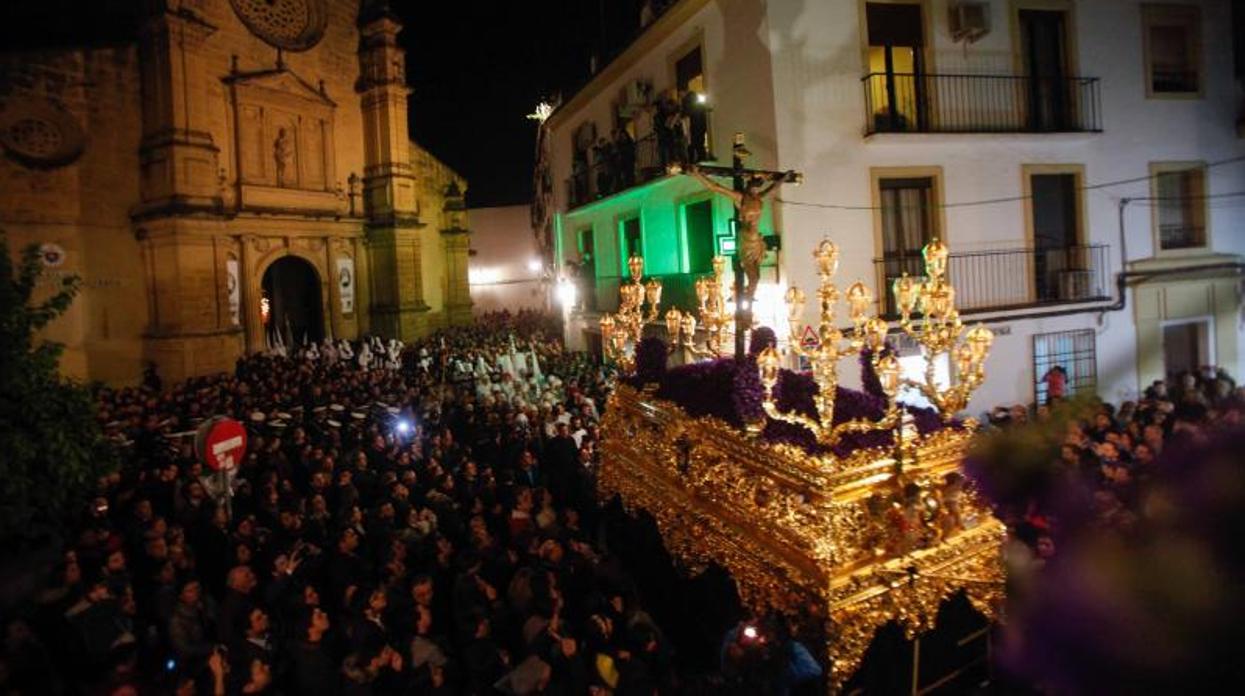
(1064, 364)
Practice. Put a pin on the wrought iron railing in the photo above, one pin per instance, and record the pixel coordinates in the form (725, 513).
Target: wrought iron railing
(1173, 80)
(924, 103)
(1010, 278)
(1181, 236)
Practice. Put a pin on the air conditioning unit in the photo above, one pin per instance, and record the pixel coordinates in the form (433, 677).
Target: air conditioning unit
(638, 93)
(969, 21)
(635, 97)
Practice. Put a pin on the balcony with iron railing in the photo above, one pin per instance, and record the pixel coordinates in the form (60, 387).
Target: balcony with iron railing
(925, 103)
(1010, 279)
(617, 172)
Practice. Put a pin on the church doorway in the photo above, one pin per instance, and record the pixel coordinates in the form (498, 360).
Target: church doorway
(290, 307)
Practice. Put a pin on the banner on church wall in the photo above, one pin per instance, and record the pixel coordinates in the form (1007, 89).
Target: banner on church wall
(234, 290)
(345, 283)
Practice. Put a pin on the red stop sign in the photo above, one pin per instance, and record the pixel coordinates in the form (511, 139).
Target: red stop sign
(220, 443)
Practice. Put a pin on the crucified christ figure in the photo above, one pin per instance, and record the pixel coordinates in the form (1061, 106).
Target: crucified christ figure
(749, 204)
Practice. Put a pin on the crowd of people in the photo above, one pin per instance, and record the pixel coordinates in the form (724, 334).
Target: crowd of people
(427, 529)
(427, 525)
(1111, 452)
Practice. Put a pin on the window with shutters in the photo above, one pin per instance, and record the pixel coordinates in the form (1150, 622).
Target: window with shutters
(1179, 205)
(1172, 48)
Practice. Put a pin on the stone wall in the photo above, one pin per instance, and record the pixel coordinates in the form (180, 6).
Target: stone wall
(86, 106)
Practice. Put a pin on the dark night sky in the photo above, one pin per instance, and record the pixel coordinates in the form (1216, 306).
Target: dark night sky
(483, 67)
(476, 68)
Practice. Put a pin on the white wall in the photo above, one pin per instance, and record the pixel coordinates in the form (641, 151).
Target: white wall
(818, 65)
(503, 246)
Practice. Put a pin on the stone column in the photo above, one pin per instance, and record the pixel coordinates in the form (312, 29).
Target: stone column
(178, 157)
(456, 237)
(185, 337)
(252, 291)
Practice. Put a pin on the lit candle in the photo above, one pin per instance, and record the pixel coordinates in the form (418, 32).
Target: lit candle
(858, 300)
(636, 265)
(827, 255)
(674, 320)
(889, 373)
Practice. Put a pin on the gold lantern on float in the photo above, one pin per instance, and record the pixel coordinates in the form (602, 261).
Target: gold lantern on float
(938, 331)
(715, 321)
(638, 304)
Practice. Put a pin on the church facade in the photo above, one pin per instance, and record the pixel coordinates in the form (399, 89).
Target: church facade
(239, 176)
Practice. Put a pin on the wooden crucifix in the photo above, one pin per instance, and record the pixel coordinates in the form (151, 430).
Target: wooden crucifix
(748, 192)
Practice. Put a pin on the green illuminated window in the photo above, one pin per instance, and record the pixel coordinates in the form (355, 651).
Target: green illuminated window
(630, 242)
(587, 248)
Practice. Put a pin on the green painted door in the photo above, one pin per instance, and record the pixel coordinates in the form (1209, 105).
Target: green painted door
(698, 226)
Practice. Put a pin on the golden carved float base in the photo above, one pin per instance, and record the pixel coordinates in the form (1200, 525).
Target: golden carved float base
(855, 542)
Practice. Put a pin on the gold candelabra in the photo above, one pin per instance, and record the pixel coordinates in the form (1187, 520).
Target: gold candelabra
(867, 332)
(714, 318)
(937, 332)
(622, 331)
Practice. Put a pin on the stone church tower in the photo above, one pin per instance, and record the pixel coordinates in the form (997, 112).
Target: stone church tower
(239, 175)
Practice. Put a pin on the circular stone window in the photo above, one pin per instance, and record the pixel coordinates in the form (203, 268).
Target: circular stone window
(292, 25)
(39, 133)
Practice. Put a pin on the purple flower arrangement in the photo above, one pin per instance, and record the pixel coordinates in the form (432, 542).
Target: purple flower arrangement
(869, 376)
(650, 360)
(762, 337)
(734, 394)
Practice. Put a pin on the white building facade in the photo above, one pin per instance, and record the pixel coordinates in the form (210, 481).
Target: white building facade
(1080, 158)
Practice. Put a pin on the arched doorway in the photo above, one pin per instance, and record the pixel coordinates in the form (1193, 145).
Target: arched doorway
(291, 302)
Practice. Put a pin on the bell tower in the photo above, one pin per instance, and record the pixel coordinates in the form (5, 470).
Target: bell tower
(389, 193)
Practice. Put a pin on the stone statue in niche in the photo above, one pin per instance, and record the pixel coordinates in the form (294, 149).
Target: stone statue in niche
(282, 152)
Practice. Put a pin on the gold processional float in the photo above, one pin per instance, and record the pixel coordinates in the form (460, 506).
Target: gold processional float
(856, 541)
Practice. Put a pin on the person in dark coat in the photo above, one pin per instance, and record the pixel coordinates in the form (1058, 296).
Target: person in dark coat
(312, 671)
(560, 463)
(236, 605)
(192, 627)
